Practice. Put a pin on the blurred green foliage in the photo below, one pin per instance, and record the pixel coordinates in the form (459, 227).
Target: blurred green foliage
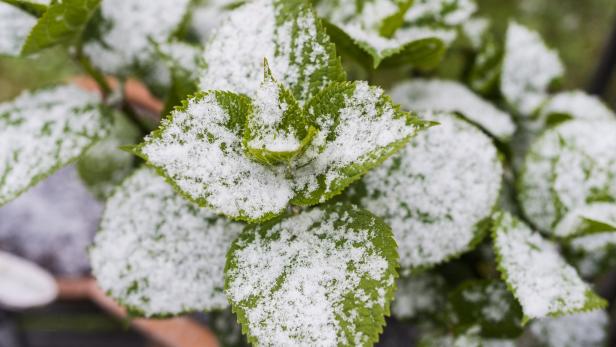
(577, 28)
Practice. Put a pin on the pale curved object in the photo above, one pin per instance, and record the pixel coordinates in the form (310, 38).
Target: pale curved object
(24, 285)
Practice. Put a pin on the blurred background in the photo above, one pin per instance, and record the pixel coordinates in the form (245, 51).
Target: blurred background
(579, 29)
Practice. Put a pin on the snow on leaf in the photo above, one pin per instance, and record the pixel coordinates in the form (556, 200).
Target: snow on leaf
(569, 166)
(44, 130)
(445, 12)
(588, 329)
(489, 305)
(593, 254)
(450, 96)
(287, 34)
(573, 105)
(165, 257)
(436, 192)
(541, 280)
(15, 25)
(324, 277)
(361, 24)
(276, 130)
(529, 68)
(419, 294)
(588, 219)
(64, 22)
(128, 28)
(359, 127)
(199, 148)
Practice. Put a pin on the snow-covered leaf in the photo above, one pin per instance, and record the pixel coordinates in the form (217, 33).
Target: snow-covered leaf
(199, 148)
(588, 219)
(589, 329)
(44, 130)
(277, 130)
(286, 33)
(323, 277)
(529, 69)
(568, 167)
(126, 30)
(449, 96)
(419, 295)
(364, 30)
(573, 105)
(436, 193)
(594, 254)
(35, 7)
(541, 280)
(468, 338)
(488, 305)
(158, 254)
(359, 127)
(15, 25)
(63, 23)
(105, 165)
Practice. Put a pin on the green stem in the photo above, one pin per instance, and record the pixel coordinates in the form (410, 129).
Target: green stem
(98, 76)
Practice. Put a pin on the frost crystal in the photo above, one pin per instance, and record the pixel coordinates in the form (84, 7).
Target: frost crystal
(42, 131)
(132, 27)
(529, 68)
(15, 25)
(541, 280)
(571, 165)
(450, 96)
(158, 254)
(324, 277)
(436, 191)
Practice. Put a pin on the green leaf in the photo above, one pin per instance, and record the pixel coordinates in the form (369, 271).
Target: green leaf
(391, 32)
(105, 165)
(529, 69)
(541, 280)
(286, 33)
(325, 276)
(572, 105)
(277, 130)
(43, 131)
(359, 128)
(588, 219)
(183, 60)
(15, 25)
(417, 47)
(488, 305)
(36, 9)
(391, 24)
(589, 329)
(165, 257)
(226, 328)
(436, 193)
(199, 148)
(568, 167)
(485, 73)
(63, 23)
(422, 96)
